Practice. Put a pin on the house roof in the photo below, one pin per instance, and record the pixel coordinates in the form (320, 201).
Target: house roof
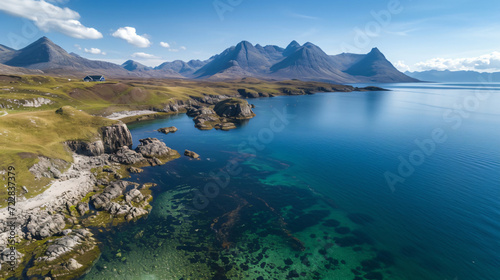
(95, 77)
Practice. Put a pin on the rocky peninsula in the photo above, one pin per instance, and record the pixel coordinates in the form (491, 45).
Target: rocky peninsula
(55, 239)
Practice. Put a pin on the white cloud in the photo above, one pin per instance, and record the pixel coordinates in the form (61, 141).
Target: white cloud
(129, 34)
(165, 45)
(181, 48)
(144, 55)
(302, 16)
(49, 17)
(94, 51)
(78, 47)
(485, 63)
(401, 66)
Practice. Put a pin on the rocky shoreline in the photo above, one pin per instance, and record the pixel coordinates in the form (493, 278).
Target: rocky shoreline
(206, 115)
(54, 229)
(54, 236)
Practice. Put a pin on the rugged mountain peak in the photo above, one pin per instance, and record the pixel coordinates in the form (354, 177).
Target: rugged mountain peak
(131, 65)
(245, 46)
(375, 52)
(42, 50)
(291, 48)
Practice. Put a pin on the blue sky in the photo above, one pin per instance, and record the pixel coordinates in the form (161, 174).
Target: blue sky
(420, 35)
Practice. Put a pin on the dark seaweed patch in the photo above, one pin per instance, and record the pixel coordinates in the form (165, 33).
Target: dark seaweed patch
(307, 220)
(331, 223)
(369, 265)
(342, 230)
(374, 275)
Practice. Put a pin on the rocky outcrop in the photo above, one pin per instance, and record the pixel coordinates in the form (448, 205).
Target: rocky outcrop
(248, 93)
(72, 264)
(191, 154)
(206, 121)
(66, 244)
(134, 195)
(49, 168)
(103, 200)
(210, 99)
(11, 257)
(87, 149)
(135, 170)
(152, 147)
(234, 108)
(205, 118)
(66, 257)
(125, 155)
(167, 130)
(116, 136)
(37, 102)
(82, 208)
(196, 111)
(109, 200)
(225, 126)
(43, 226)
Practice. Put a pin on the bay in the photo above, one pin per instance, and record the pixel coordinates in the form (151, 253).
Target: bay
(301, 191)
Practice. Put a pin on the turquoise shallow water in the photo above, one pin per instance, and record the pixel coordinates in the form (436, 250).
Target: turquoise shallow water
(307, 196)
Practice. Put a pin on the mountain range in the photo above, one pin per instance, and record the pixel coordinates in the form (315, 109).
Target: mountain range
(304, 62)
(454, 76)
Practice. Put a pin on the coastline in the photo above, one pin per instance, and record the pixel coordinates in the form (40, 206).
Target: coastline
(63, 215)
(82, 179)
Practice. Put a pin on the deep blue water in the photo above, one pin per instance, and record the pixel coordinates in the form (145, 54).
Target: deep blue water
(328, 160)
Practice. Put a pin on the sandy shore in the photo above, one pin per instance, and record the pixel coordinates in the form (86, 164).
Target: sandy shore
(77, 180)
(124, 114)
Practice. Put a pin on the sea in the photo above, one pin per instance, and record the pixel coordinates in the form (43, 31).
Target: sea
(397, 184)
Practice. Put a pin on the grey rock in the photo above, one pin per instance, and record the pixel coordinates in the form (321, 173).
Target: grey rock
(234, 108)
(87, 149)
(135, 170)
(193, 112)
(42, 226)
(116, 136)
(72, 264)
(167, 130)
(66, 244)
(135, 213)
(225, 126)
(248, 93)
(102, 201)
(134, 195)
(125, 155)
(46, 167)
(154, 161)
(82, 208)
(191, 154)
(152, 147)
(6, 256)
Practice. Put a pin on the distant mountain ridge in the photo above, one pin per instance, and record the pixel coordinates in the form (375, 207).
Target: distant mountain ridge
(455, 76)
(304, 62)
